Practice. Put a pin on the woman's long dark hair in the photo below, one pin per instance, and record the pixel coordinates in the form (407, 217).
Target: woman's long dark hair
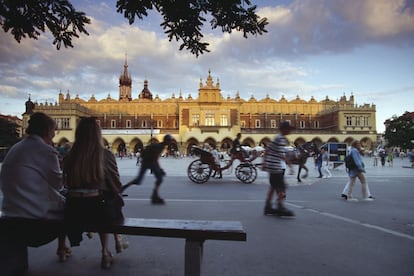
(84, 165)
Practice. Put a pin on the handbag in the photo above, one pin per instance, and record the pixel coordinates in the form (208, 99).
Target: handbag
(111, 204)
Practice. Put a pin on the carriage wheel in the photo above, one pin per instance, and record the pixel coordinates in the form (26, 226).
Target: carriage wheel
(246, 173)
(198, 172)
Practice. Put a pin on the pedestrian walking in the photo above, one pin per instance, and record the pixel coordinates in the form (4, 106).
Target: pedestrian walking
(325, 162)
(357, 172)
(319, 163)
(275, 163)
(390, 159)
(138, 155)
(150, 161)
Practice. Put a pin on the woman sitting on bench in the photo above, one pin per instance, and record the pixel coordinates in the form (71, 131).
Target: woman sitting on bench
(92, 179)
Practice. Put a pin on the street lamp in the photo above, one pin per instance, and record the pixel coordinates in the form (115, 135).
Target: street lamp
(152, 126)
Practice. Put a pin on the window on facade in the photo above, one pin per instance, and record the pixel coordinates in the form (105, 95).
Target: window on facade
(113, 123)
(224, 120)
(175, 123)
(243, 123)
(128, 124)
(209, 120)
(195, 119)
(62, 123)
(272, 123)
(366, 121)
(257, 123)
(316, 124)
(302, 124)
(348, 120)
(98, 122)
(357, 121)
(159, 123)
(144, 124)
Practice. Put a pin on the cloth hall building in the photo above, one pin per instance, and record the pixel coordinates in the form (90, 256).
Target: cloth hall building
(131, 122)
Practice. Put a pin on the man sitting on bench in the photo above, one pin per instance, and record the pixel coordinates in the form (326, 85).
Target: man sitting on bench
(31, 181)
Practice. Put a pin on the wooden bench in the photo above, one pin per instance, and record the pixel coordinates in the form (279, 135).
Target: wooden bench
(195, 232)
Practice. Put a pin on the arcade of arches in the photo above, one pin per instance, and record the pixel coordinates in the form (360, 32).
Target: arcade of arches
(121, 146)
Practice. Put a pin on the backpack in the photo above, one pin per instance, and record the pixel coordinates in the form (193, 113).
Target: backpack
(349, 162)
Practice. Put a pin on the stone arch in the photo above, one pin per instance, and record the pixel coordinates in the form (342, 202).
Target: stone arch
(190, 143)
(211, 141)
(366, 143)
(136, 145)
(172, 148)
(265, 141)
(106, 143)
(299, 141)
(119, 146)
(348, 140)
(226, 144)
(317, 141)
(248, 141)
(332, 140)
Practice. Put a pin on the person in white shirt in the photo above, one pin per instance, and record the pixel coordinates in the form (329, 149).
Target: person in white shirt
(31, 183)
(325, 162)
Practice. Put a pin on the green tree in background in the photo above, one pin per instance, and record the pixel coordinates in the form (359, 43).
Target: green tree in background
(399, 131)
(8, 133)
(182, 19)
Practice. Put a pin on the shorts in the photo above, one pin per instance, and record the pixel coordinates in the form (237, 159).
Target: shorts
(277, 181)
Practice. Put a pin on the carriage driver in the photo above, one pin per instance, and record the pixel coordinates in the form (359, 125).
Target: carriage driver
(236, 148)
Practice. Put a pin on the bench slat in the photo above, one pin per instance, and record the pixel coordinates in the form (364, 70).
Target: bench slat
(186, 229)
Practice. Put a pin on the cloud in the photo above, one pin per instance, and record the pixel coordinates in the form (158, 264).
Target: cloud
(275, 63)
(322, 26)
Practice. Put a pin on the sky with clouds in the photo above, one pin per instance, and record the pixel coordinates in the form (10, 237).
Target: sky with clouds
(313, 48)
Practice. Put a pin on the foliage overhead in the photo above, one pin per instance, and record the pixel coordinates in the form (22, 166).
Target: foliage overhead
(399, 131)
(8, 133)
(182, 19)
(29, 18)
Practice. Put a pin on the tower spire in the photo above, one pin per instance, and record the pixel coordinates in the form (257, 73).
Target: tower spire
(125, 82)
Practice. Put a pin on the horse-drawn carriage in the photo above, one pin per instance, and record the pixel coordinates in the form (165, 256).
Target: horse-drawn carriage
(200, 170)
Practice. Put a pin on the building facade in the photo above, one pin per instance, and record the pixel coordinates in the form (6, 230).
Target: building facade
(129, 123)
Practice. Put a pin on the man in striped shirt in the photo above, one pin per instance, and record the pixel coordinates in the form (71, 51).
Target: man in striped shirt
(275, 163)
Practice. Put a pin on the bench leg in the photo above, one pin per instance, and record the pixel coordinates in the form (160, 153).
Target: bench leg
(193, 257)
(13, 257)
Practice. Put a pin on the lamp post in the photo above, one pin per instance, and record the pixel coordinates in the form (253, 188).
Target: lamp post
(152, 126)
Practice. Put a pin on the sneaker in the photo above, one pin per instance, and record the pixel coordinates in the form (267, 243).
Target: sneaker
(344, 196)
(283, 212)
(352, 199)
(157, 200)
(324, 176)
(368, 199)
